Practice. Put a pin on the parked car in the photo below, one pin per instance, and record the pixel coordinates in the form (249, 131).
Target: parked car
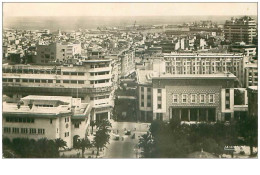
(128, 132)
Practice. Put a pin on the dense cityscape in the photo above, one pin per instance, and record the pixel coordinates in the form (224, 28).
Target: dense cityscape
(136, 91)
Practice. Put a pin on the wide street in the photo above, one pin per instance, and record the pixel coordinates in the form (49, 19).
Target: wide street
(126, 147)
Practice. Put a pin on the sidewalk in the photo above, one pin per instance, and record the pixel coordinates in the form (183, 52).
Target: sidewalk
(74, 153)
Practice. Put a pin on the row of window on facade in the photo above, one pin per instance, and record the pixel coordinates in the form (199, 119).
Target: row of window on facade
(8, 130)
(99, 97)
(193, 98)
(204, 63)
(98, 65)
(19, 120)
(41, 71)
(99, 81)
(201, 59)
(17, 80)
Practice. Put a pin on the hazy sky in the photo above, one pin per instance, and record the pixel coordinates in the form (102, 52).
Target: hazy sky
(128, 9)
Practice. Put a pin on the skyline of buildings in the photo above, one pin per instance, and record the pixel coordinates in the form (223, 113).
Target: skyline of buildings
(57, 83)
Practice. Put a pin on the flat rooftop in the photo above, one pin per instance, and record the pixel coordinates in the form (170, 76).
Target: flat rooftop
(194, 76)
(11, 108)
(48, 98)
(144, 76)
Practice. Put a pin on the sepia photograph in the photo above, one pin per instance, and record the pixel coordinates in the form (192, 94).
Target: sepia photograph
(129, 80)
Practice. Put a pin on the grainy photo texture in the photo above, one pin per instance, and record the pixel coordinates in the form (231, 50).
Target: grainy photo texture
(130, 80)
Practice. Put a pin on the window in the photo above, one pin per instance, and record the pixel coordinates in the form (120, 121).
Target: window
(24, 130)
(159, 91)
(15, 130)
(73, 73)
(67, 119)
(50, 121)
(142, 104)
(57, 81)
(193, 98)
(67, 134)
(175, 98)
(66, 73)
(50, 81)
(148, 89)
(142, 89)
(74, 81)
(211, 98)
(32, 131)
(159, 98)
(76, 125)
(7, 130)
(37, 81)
(184, 98)
(149, 97)
(41, 131)
(81, 73)
(66, 81)
(80, 81)
(159, 106)
(148, 104)
(142, 96)
(44, 81)
(25, 80)
(202, 98)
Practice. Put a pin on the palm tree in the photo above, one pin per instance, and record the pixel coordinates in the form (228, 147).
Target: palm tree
(102, 135)
(84, 144)
(60, 143)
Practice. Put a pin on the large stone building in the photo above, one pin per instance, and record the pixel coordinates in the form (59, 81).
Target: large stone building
(210, 63)
(192, 98)
(50, 117)
(242, 29)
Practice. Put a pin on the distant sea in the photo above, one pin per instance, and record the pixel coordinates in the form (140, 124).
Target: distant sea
(68, 23)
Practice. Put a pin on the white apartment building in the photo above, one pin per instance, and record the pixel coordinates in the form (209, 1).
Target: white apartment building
(90, 81)
(50, 117)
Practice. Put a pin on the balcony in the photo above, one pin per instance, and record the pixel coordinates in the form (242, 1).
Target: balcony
(100, 77)
(101, 69)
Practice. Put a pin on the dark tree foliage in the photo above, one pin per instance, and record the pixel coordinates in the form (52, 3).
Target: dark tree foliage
(248, 129)
(102, 135)
(29, 148)
(176, 140)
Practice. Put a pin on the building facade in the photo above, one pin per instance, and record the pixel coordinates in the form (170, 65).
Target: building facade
(207, 64)
(56, 52)
(90, 81)
(242, 29)
(191, 98)
(50, 117)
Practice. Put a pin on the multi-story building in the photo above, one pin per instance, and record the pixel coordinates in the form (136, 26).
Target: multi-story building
(127, 63)
(50, 117)
(210, 63)
(192, 98)
(251, 75)
(145, 95)
(56, 52)
(90, 81)
(242, 29)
